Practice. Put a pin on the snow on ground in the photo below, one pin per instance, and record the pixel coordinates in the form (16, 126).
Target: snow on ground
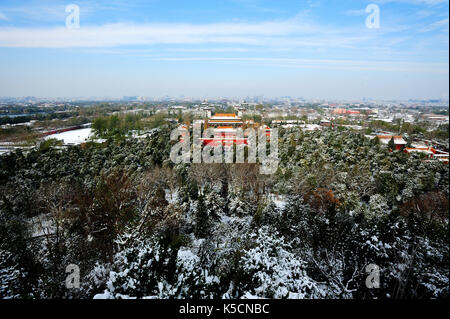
(9, 149)
(355, 127)
(150, 133)
(74, 137)
(41, 225)
(305, 127)
(171, 197)
(419, 145)
(279, 201)
(311, 127)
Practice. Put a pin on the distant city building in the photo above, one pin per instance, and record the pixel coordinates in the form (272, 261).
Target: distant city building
(326, 123)
(431, 153)
(240, 110)
(178, 107)
(225, 119)
(345, 111)
(436, 118)
(204, 112)
(225, 130)
(399, 142)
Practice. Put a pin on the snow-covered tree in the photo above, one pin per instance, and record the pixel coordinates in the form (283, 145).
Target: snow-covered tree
(271, 270)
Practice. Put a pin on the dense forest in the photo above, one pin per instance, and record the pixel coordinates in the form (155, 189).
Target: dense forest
(139, 226)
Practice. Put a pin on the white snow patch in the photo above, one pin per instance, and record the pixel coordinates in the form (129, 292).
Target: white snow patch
(74, 137)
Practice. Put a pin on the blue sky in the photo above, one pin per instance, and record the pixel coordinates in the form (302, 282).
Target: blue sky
(302, 48)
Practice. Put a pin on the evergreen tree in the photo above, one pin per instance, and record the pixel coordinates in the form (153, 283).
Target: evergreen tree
(202, 220)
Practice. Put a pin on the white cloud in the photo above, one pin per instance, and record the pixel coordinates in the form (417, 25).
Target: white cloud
(390, 66)
(356, 12)
(442, 24)
(3, 17)
(415, 2)
(313, 4)
(298, 34)
(256, 5)
(424, 13)
(293, 32)
(40, 13)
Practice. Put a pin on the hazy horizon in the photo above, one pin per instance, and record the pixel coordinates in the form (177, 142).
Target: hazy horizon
(315, 49)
